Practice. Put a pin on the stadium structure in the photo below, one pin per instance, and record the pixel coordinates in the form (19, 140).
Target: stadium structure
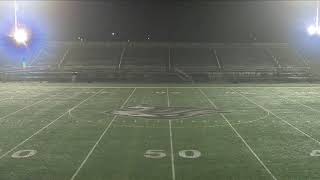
(163, 62)
(189, 97)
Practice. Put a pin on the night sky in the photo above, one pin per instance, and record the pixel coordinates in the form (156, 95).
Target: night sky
(198, 21)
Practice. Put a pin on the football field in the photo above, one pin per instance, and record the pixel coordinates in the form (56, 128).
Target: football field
(160, 132)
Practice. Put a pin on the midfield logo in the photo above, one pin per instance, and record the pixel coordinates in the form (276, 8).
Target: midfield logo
(165, 112)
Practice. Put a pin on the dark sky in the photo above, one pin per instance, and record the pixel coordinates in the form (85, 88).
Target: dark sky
(209, 21)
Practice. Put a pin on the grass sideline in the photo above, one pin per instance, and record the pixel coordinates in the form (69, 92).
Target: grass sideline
(69, 131)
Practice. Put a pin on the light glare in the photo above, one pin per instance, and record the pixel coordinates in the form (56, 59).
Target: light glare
(21, 36)
(313, 30)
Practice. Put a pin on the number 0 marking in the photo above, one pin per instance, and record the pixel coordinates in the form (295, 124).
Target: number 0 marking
(315, 153)
(23, 154)
(190, 154)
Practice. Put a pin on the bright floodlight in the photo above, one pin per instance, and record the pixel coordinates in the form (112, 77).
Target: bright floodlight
(312, 30)
(21, 36)
(315, 28)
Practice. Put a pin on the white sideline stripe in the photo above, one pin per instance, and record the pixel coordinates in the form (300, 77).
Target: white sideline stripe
(101, 136)
(4, 99)
(40, 130)
(283, 120)
(173, 171)
(238, 134)
(187, 87)
(25, 107)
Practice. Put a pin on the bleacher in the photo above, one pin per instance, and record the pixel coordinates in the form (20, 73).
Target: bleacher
(5, 62)
(49, 55)
(287, 57)
(242, 58)
(11, 64)
(93, 55)
(194, 59)
(146, 58)
(149, 60)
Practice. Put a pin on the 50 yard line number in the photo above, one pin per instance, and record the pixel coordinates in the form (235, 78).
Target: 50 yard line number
(159, 153)
(191, 153)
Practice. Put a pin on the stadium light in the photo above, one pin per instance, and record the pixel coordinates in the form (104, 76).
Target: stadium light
(315, 29)
(21, 36)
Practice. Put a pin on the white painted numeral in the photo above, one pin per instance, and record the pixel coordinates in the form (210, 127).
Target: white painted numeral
(24, 153)
(155, 154)
(158, 154)
(190, 154)
(315, 153)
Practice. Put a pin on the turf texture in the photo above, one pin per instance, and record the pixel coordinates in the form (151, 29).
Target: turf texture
(67, 132)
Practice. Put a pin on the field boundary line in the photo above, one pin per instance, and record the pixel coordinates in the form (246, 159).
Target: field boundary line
(27, 106)
(4, 99)
(173, 171)
(178, 87)
(283, 120)
(49, 124)
(238, 134)
(100, 138)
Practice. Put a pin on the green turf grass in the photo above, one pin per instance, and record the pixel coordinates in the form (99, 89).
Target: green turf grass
(268, 133)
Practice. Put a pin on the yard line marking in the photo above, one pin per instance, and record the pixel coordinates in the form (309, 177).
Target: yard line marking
(11, 97)
(238, 134)
(294, 101)
(172, 154)
(126, 101)
(25, 107)
(168, 99)
(20, 122)
(46, 126)
(101, 136)
(171, 142)
(283, 120)
(309, 107)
